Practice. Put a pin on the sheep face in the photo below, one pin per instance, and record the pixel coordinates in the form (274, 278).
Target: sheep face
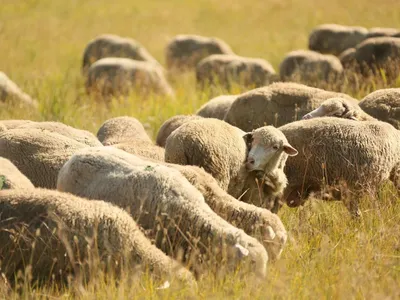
(268, 147)
(334, 107)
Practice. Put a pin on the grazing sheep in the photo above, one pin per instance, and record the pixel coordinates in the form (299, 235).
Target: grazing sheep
(122, 129)
(11, 177)
(109, 45)
(38, 154)
(334, 38)
(184, 52)
(164, 203)
(382, 31)
(340, 108)
(113, 76)
(81, 136)
(128, 134)
(221, 149)
(222, 69)
(373, 56)
(170, 125)
(277, 104)
(335, 153)
(57, 235)
(383, 105)
(310, 67)
(10, 92)
(216, 107)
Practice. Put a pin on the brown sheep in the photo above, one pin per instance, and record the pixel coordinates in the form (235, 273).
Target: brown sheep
(334, 38)
(333, 152)
(223, 70)
(170, 125)
(383, 105)
(11, 177)
(110, 45)
(184, 51)
(340, 108)
(57, 235)
(216, 107)
(38, 154)
(277, 104)
(114, 76)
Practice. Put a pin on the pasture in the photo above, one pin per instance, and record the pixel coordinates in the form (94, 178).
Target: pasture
(328, 255)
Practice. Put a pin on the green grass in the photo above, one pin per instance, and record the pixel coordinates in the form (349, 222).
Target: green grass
(329, 255)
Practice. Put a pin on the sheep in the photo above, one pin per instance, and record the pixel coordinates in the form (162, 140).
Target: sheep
(10, 92)
(334, 38)
(383, 105)
(382, 31)
(165, 204)
(336, 152)
(114, 76)
(222, 69)
(340, 108)
(310, 67)
(373, 56)
(57, 234)
(122, 129)
(185, 51)
(81, 136)
(38, 154)
(128, 134)
(170, 125)
(216, 107)
(11, 177)
(110, 45)
(221, 149)
(277, 104)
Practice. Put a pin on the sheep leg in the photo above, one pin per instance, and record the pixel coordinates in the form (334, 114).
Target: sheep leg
(277, 205)
(352, 206)
(395, 177)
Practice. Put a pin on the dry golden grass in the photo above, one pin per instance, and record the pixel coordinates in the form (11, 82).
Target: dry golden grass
(329, 255)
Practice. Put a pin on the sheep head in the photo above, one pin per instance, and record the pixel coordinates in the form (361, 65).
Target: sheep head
(336, 107)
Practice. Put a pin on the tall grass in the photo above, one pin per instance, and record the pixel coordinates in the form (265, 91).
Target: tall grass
(329, 255)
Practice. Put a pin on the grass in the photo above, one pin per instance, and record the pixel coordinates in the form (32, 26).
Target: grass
(328, 256)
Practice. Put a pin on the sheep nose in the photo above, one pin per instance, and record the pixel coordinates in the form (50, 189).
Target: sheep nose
(306, 117)
(250, 163)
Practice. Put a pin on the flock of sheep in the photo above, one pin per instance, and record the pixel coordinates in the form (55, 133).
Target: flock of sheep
(204, 197)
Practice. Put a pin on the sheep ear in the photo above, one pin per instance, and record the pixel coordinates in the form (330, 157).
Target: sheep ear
(290, 150)
(248, 138)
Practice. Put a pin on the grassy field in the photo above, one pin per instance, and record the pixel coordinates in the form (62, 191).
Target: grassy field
(329, 255)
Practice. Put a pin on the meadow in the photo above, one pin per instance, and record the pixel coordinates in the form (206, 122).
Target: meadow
(328, 255)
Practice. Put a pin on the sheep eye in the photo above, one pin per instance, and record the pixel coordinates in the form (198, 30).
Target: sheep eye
(276, 147)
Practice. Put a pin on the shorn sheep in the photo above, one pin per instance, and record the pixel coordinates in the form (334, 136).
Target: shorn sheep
(38, 154)
(310, 67)
(114, 76)
(110, 45)
(277, 104)
(383, 105)
(170, 125)
(11, 177)
(222, 150)
(216, 107)
(340, 108)
(334, 38)
(11, 93)
(54, 235)
(128, 134)
(165, 204)
(226, 70)
(335, 153)
(185, 51)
